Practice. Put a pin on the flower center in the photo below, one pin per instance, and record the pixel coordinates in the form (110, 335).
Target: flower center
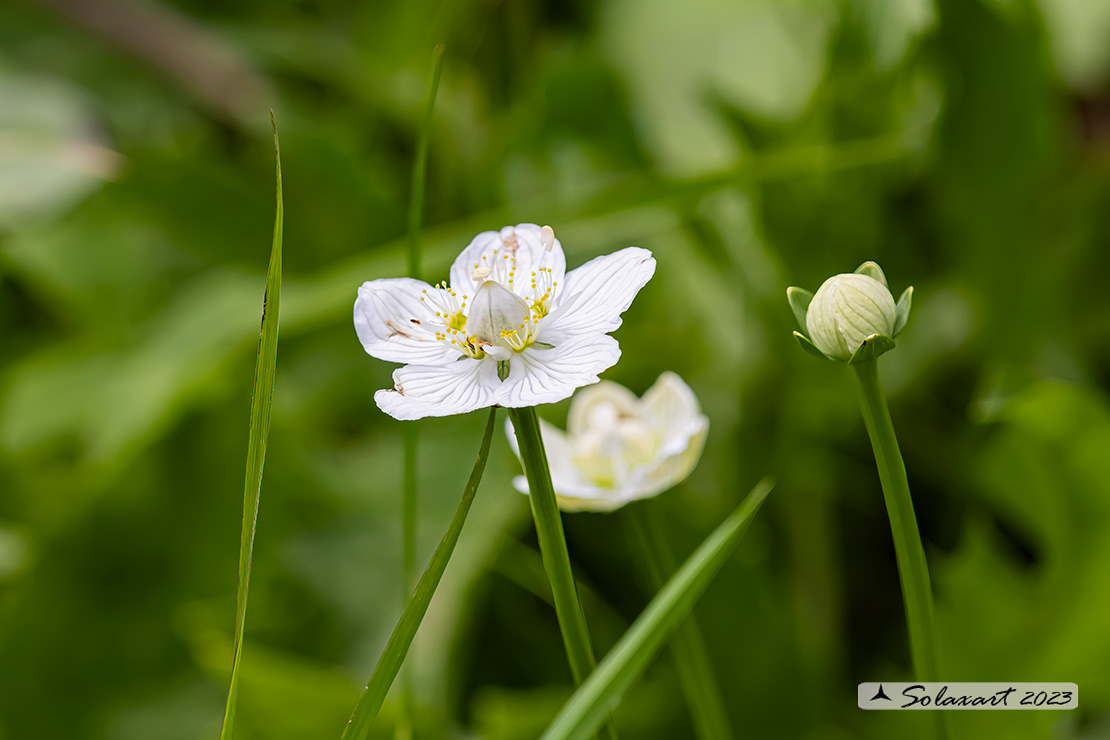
(499, 320)
(498, 317)
(614, 444)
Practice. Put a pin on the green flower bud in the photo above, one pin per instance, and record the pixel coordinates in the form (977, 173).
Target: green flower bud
(850, 312)
(846, 310)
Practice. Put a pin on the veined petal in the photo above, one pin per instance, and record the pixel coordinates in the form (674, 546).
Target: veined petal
(440, 390)
(394, 325)
(606, 286)
(548, 375)
(522, 245)
(493, 310)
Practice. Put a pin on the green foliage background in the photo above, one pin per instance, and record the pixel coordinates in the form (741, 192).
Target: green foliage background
(962, 144)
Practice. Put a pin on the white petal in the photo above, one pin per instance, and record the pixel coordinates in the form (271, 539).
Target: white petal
(671, 405)
(587, 498)
(392, 322)
(677, 459)
(565, 477)
(607, 285)
(548, 375)
(493, 310)
(605, 392)
(523, 242)
(596, 500)
(440, 390)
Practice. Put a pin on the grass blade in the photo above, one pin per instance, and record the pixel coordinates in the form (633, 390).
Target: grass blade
(265, 372)
(688, 649)
(366, 711)
(588, 707)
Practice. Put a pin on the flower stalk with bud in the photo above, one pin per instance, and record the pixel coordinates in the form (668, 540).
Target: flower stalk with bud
(853, 318)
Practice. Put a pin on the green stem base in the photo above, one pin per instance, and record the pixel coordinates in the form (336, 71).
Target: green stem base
(553, 547)
(913, 570)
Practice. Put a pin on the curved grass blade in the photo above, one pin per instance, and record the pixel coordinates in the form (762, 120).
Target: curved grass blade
(265, 372)
(366, 711)
(688, 649)
(588, 707)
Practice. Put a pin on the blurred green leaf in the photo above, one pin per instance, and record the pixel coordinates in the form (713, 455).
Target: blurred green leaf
(50, 152)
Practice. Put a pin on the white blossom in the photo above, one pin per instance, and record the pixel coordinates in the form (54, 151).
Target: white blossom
(619, 448)
(511, 328)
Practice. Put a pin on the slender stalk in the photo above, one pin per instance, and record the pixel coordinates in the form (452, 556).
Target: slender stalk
(366, 711)
(553, 547)
(409, 441)
(419, 168)
(913, 570)
(703, 696)
(411, 437)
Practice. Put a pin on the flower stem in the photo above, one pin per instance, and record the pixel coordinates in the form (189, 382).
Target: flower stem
(420, 169)
(411, 437)
(695, 673)
(913, 570)
(553, 547)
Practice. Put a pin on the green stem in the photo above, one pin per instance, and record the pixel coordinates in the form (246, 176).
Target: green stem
(419, 168)
(913, 570)
(409, 441)
(691, 658)
(411, 437)
(553, 547)
(389, 664)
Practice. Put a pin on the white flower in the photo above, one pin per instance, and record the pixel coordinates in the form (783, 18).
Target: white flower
(619, 448)
(512, 328)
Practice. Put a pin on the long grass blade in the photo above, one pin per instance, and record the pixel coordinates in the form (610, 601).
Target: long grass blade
(691, 657)
(366, 711)
(265, 372)
(588, 707)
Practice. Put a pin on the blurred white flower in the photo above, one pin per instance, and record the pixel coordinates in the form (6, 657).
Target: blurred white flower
(619, 448)
(513, 328)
